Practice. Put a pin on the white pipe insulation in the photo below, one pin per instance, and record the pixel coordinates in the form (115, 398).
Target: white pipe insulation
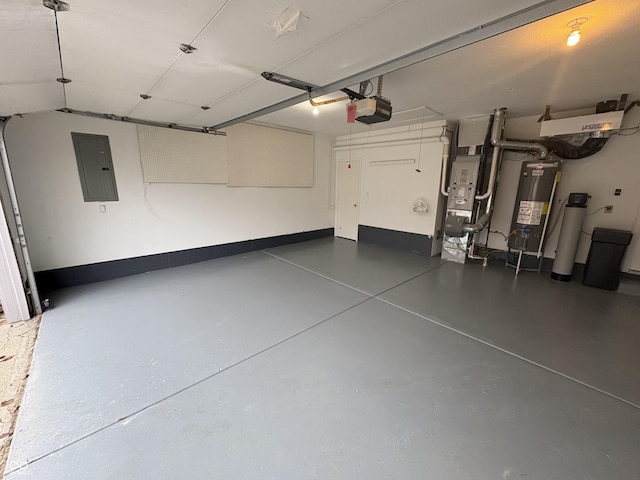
(495, 159)
(445, 165)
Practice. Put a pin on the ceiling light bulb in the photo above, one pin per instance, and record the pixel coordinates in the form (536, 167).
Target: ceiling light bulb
(574, 34)
(573, 38)
(316, 111)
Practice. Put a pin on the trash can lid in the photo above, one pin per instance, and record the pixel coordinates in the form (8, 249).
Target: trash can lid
(609, 235)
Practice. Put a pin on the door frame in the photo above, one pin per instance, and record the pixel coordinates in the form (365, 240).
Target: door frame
(339, 162)
(632, 258)
(12, 288)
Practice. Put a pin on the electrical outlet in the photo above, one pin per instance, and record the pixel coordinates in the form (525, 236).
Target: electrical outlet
(608, 208)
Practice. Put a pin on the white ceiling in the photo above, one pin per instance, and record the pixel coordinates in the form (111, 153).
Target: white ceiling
(115, 50)
(523, 70)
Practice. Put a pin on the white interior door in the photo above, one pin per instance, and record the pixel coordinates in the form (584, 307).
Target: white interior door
(348, 199)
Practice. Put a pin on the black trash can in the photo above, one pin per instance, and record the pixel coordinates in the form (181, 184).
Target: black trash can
(605, 258)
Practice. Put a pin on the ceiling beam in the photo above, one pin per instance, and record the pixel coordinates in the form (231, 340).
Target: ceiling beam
(504, 24)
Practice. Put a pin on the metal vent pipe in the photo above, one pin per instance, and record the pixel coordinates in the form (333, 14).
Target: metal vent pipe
(496, 133)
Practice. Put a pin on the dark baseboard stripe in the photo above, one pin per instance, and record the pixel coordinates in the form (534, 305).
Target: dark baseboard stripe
(49, 280)
(408, 242)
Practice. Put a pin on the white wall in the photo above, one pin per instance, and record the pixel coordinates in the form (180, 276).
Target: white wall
(388, 191)
(63, 230)
(617, 165)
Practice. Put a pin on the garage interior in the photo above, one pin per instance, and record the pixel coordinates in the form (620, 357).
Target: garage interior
(249, 232)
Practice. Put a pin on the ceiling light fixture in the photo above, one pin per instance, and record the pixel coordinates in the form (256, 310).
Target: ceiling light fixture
(574, 34)
(315, 105)
(288, 81)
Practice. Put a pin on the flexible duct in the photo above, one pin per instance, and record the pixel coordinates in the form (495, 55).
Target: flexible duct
(567, 151)
(478, 226)
(561, 148)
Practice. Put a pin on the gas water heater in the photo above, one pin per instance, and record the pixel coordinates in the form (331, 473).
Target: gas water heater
(535, 195)
(534, 199)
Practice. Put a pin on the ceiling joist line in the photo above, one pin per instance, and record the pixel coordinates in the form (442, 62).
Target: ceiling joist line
(59, 6)
(62, 77)
(352, 95)
(185, 49)
(531, 14)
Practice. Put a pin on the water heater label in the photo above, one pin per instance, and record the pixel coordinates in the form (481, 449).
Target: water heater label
(530, 213)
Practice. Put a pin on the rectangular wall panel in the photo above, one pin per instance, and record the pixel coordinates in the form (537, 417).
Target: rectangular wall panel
(176, 156)
(268, 157)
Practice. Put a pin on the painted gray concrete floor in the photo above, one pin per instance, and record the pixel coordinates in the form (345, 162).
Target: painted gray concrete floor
(252, 367)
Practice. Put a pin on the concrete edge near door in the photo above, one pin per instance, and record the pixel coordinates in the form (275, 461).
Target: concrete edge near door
(49, 280)
(408, 242)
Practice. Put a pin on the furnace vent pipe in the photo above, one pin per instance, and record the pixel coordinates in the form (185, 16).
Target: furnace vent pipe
(496, 140)
(496, 134)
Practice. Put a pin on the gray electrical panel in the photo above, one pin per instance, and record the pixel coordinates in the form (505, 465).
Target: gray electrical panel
(95, 167)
